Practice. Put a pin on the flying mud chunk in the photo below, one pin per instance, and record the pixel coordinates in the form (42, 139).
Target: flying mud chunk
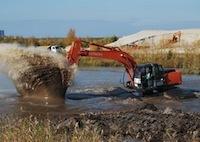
(38, 74)
(41, 80)
(44, 80)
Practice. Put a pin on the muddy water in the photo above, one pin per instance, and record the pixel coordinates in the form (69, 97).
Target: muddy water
(100, 89)
(37, 73)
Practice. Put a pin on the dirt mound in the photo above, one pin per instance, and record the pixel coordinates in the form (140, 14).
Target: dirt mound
(144, 124)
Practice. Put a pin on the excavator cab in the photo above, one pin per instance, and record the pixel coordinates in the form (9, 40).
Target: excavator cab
(148, 76)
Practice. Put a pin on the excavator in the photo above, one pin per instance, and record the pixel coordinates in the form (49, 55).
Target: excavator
(140, 77)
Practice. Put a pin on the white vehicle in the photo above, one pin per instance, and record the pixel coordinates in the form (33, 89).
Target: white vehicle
(56, 48)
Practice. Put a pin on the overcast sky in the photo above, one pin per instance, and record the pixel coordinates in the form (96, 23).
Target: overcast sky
(95, 17)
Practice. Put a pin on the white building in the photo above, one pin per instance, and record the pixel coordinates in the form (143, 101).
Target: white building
(154, 37)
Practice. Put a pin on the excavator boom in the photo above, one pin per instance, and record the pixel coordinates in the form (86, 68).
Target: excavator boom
(76, 51)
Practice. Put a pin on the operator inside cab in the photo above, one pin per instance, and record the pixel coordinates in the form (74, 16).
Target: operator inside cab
(149, 76)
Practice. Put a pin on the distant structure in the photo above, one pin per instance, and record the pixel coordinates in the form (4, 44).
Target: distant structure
(2, 33)
(158, 38)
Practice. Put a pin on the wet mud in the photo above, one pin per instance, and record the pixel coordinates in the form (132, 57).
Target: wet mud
(43, 81)
(99, 102)
(37, 73)
(146, 123)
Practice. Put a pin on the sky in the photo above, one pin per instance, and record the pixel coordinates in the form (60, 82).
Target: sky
(54, 18)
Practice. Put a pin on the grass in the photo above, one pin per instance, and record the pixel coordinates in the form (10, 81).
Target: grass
(33, 41)
(29, 129)
(86, 135)
(33, 129)
(95, 62)
(99, 127)
(188, 62)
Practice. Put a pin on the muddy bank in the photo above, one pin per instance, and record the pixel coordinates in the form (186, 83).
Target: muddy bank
(104, 114)
(147, 123)
(95, 109)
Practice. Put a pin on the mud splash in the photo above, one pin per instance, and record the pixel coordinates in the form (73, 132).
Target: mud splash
(36, 72)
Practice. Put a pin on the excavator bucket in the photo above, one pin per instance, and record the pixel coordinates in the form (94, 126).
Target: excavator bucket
(74, 52)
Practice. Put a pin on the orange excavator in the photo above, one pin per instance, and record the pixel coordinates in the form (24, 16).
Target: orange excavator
(144, 77)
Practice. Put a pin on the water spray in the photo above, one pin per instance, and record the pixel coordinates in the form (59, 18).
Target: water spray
(36, 72)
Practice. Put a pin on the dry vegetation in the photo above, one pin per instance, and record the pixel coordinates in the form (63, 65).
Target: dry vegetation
(146, 123)
(29, 129)
(71, 35)
(37, 130)
(188, 62)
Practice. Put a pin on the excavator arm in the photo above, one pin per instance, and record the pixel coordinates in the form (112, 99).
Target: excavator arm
(76, 51)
